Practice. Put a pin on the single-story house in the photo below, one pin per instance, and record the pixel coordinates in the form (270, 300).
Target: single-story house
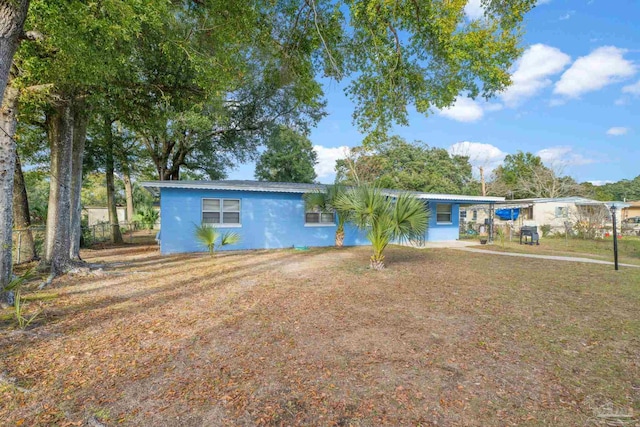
(273, 215)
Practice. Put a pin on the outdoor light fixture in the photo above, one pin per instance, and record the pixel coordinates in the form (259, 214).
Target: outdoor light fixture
(615, 235)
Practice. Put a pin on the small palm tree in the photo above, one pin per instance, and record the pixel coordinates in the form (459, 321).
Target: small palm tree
(384, 218)
(208, 236)
(325, 201)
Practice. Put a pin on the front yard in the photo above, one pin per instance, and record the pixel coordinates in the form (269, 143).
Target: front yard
(441, 337)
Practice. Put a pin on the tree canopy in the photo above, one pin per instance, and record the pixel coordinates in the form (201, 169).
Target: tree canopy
(625, 189)
(289, 157)
(400, 165)
(524, 175)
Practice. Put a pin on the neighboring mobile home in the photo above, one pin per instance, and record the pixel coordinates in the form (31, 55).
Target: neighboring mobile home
(557, 213)
(273, 215)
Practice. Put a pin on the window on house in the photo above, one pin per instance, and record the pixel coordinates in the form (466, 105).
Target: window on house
(221, 211)
(562, 212)
(317, 217)
(463, 214)
(443, 212)
(474, 215)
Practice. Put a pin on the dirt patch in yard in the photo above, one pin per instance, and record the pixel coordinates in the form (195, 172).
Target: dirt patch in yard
(315, 338)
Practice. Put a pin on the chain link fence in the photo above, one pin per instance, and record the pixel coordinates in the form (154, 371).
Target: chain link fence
(132, 232)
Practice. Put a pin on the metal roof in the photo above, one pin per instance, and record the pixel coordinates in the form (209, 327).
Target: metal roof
(577, 200)
(571, 199)
(291, 187)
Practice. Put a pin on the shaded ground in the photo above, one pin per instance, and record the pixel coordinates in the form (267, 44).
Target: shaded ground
(314, 338)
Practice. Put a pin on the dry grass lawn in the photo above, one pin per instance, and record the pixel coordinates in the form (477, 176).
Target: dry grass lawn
(440, 338)
(602, 249)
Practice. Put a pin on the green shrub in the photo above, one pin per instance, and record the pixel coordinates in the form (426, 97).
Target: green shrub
(15, 291)
(146, 217)
(545, 230)
(209, 237)
(501, 235)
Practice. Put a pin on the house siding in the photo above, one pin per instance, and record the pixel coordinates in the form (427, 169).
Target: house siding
(268, 221)
(438, 232)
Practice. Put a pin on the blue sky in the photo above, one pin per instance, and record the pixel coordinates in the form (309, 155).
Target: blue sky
(575, 100)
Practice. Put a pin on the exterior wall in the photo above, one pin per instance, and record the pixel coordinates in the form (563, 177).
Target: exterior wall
(439, 232)
(545, 213)
(268, 220)
(631, 211)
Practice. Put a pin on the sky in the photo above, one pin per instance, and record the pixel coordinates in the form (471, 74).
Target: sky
(574, 101)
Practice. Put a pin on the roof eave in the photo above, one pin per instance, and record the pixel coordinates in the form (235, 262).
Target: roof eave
(156, 185)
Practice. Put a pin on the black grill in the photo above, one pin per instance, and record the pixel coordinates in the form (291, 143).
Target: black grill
(529, 235)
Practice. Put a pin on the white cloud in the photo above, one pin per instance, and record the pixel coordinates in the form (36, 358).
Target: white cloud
(567, 15)
(532, 72)
(562, 156)
(617, 131)
(594, 71)
(556, 102)
(475, 10)
(493, 106)
(463, 110)
(633, 89)
(599, 182)
(486, 155)
(327, 159)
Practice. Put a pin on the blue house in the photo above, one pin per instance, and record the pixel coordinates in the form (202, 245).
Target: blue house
(273, 215)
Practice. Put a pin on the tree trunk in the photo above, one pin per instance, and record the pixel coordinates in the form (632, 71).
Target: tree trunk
(116, 236)
(339, 237)
(21, 217)
(128, 193)
(58, 239)
(8, 122)
(80, 120)
(377, 263)
(12, 16)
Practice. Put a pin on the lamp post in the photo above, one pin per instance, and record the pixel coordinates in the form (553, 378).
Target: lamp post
(615, 235)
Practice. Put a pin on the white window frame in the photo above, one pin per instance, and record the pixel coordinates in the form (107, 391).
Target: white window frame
(450, 213)
(319, 224)
(220, 212)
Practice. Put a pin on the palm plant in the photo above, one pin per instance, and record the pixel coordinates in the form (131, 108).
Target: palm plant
(209, 237)
(146, 216)
(385, 218)
(15, 298)
(325, 201)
